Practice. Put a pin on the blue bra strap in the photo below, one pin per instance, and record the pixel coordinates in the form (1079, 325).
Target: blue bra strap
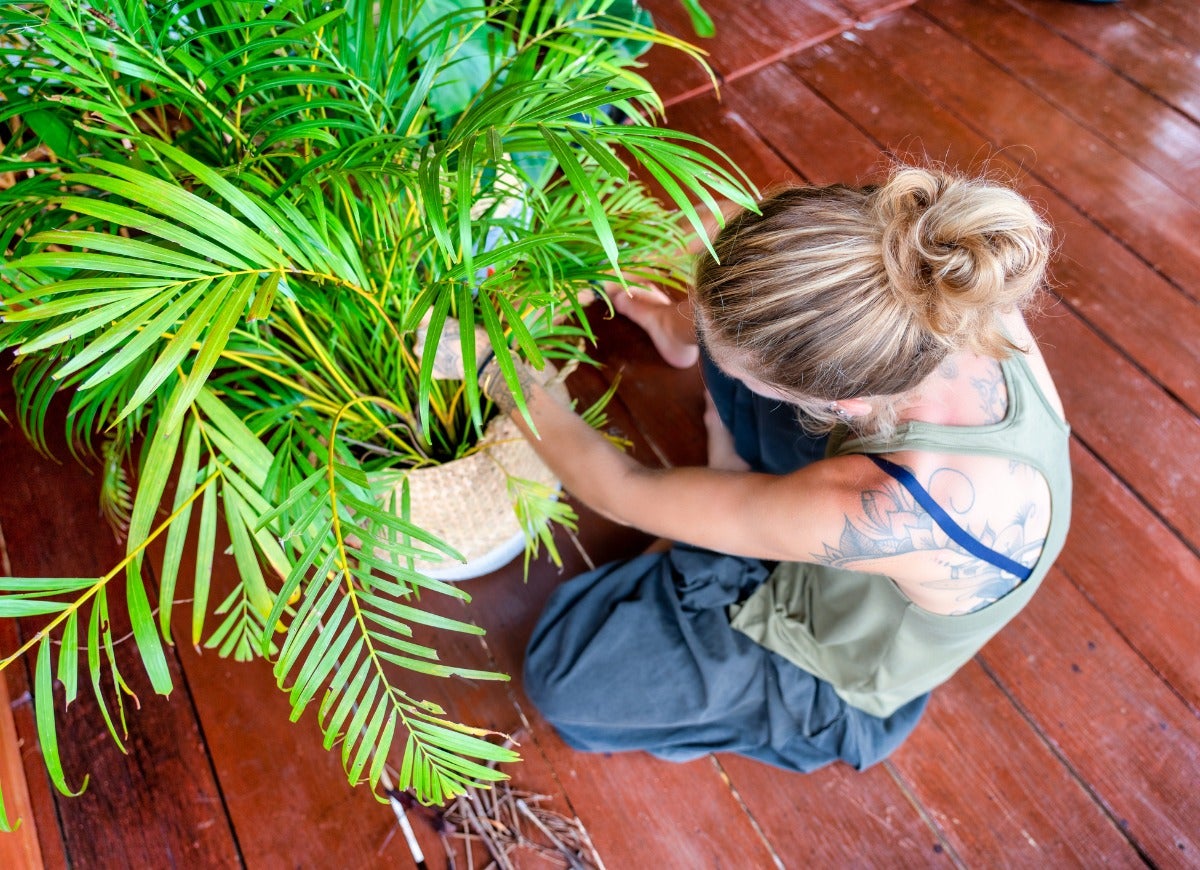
(956, 532)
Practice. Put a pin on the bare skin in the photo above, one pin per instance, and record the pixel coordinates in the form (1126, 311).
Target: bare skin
(665, 320)
(841, 511)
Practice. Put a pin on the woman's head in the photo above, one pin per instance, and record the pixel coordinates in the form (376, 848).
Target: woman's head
(833, 293)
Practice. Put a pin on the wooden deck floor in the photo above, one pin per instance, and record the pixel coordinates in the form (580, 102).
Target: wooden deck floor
(1073, 739)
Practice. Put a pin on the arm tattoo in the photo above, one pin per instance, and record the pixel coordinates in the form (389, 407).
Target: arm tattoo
(894, 531)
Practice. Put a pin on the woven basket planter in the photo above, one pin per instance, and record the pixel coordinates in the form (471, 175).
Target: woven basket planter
(466, 502)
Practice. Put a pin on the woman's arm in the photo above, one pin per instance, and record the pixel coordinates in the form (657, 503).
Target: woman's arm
(750, 514)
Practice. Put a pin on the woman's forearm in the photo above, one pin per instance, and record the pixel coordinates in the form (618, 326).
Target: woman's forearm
(589, 466)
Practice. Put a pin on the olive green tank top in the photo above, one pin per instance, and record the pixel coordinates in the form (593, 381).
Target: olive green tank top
(858, 631)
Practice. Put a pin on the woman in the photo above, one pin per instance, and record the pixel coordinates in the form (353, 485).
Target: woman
(821, 584)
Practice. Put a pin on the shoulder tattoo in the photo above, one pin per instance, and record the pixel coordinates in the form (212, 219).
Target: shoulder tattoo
(893, 535)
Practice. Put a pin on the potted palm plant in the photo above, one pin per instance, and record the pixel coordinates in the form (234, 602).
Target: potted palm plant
(230, 231)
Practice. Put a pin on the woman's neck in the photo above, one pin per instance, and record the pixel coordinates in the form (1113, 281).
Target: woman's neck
(965, 390)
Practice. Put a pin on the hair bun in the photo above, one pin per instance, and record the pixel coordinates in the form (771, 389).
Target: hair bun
(960, 250)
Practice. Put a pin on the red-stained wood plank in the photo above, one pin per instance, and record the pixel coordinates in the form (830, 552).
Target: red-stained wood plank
(1092, 271)
(676, 76)
(1134, 122)
(1129, 201)
(1176, 19)
(753, 34)
(119, 820)
(837, 816)
(1153, 604)
(21, 847)
(1125, 40)
(1127, 735)
(997, 792)
(1109, 413)
(868, 10)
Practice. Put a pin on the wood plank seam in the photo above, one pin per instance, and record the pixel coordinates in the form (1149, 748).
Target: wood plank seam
(762, 835)
(1086, 445)
(152, 587)
(1062, 109)
(1106, 808)
(910, 795)
(1129, 641)
(1039, 177)
(1067, 37)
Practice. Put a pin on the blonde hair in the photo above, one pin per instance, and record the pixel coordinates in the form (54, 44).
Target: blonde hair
(837, 292)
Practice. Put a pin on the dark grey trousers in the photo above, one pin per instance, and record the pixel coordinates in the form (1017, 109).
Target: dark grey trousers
(640, 654)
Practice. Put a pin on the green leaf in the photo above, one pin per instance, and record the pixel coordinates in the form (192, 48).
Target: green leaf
(68, 657)
(144, 336)
(585, 190)
(422, 617)
(322, 658)
(51, 129)
(157, 460)
(210, 351)
(240, 445)
(43, 704)
(145, 634)
(93, 656)
(333, 725)
(244, 553)
(264, 297)
(185, 491)
(437, 670)
(240, 200)
(14, 608)
(134, 219)
(206, 543)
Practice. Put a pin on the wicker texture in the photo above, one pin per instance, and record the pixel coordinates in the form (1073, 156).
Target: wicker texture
(466, 502)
